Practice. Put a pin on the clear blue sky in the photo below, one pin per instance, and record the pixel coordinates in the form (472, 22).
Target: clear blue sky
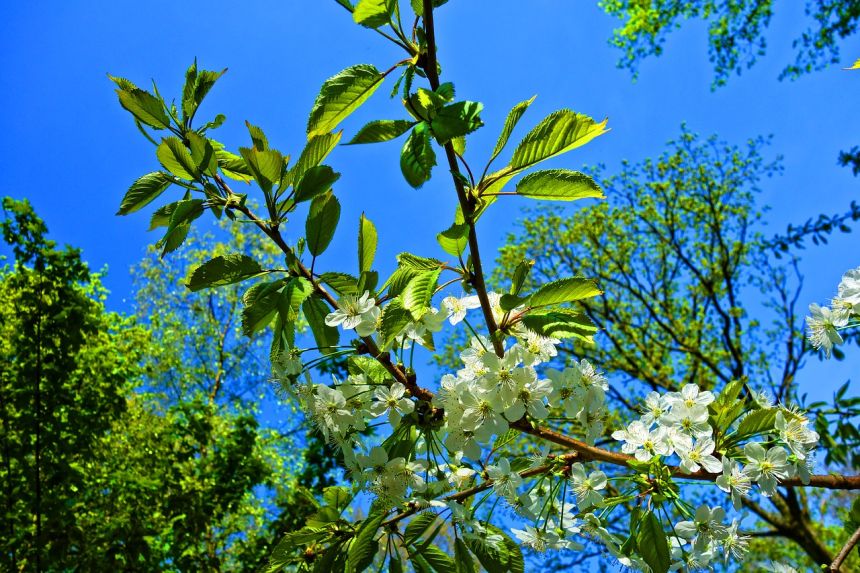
(73, 151)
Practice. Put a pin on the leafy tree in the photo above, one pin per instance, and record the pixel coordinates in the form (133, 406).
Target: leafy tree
(693, 294)
(446, 457)
(736, 31)
(66, 369)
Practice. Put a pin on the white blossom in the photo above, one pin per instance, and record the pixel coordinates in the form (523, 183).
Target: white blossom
(456, 308)
(821, 328)
(392, 400)
(734, 481)
(642, 442)
(766, 467)
(505, 480)
(351, 311)
(586, 487)
(700, 456)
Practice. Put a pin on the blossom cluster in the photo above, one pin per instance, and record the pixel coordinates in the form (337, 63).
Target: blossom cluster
(824, 323)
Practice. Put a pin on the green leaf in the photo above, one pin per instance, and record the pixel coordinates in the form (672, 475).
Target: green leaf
(145, 107)
(265, 165)
(560, 323)
(521, 273)
(143, 191)
(363, 546)
(558, 133)
(454, 240)
(223, 270)
(337, 497)
(233, 166)
(202, 153)
(563, 290)
(510, 123)
(381, 130)
(438, 559)
(417, 526)
(176, 158)
(296, 292)
(418, 6)
(456, 120)
(367, 240)
(161, 216)
(341, 95)
(393, 321)
(316, 181)
(181, 216)
(419, 291)
(341, 283)
(197, 85)
(505, 557)
(417, 157)
(373, 13)
(315, 310)
(418, 263)
(463, 558)
(261, 303)
(653, 546)
(559, 185)
(321, 223)
(756, 422)
(316, 150)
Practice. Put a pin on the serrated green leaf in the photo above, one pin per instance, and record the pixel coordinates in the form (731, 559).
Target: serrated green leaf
(454, 239)
(265, 165)
(560, 323)
(373, 13)
(261, 303)
(419, 291)
(144, 191)
(233, 166)
(505, 557)
(316, 181)
(462, 557)
(381, 130)
(161, 216)
(418, 6)
(510, 123)
(341, 283)
(417, 526)
(563, 290)
(559, 185)
(321, 223)
(363, 546)
(337, 496)
(296, 292)
(521, 273)
(197, 85)
(202, 153)
(367, 240)
(438, 559)
(145, 107)
(176, 158)
(316, 150)
(393, 321)
(456, 120)
(181, 216)
(418, 263)
(756, 422)
(558, 133)
(341, 95)
(417, 157)
(315, 311)
(223, 270)
(653, 546)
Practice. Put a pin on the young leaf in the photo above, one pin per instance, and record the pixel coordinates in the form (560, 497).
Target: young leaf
(560, 323)
(341, 283)
(559, 132)
(181, 216)
(316, 181)
(316, 150)
(366, 244)
(223, 270)
(454, 239)
(321, 223)
(521, 273)
(563, 290)
(202, 153)
(266, 166)
(373, 13)
(145, 107)
(418, 263)
(463, 558)
(419, 291)
(456, 120)
(559, 185)
(197, 85)
(417, 157)
(393, 321)
(438, 559)
(652, 543)
(417, 526)
(233, 166)
(341, 95)
(510, 123)
(175, 157)
(143, 191)
(381, 130)
(756, 422)
(315, 311)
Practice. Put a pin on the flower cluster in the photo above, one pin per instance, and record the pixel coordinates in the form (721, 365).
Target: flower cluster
(697, 542)
(824, 323)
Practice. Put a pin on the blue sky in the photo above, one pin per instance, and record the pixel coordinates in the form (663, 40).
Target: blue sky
(73, 151)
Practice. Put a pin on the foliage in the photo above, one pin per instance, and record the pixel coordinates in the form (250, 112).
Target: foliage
(443, 449)
(736, 31)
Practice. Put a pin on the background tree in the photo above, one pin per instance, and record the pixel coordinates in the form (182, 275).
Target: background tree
(693, 294)
(67, 365)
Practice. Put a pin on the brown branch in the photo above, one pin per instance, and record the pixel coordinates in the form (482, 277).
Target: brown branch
(845, 551)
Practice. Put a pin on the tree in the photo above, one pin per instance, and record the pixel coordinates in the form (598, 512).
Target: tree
(67, 364)
(445, 449)
(736, 31)
(693, 295)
